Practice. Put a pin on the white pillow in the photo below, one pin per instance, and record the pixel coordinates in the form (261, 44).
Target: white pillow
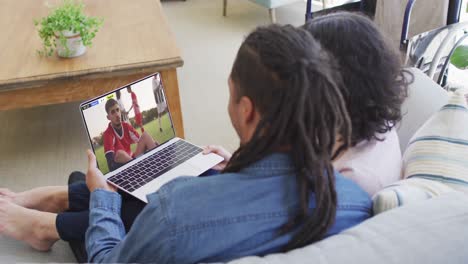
(407, 191)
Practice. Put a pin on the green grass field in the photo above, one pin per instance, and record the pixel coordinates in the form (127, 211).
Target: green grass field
(151, 128)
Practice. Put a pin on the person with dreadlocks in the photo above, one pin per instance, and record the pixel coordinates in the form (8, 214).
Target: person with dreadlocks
(276, 193)
(374, 87)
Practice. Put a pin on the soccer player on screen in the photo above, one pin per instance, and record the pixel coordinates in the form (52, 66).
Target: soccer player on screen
(119, 136)
(159, 98)
(136, 109)
(122, 107)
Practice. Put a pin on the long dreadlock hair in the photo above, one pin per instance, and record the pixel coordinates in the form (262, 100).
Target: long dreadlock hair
(293, 84)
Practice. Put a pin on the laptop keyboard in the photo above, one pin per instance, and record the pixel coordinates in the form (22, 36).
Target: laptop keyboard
(155, 165)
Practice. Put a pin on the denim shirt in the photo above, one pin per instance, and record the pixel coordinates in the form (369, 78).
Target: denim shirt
(213, 219)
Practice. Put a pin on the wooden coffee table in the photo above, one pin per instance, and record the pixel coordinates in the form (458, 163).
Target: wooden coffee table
(134, 41)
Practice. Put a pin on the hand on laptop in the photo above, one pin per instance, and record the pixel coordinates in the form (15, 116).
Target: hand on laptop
(94, 177)
(221, 152)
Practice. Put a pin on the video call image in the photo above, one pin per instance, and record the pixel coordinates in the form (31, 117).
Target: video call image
(125, 124)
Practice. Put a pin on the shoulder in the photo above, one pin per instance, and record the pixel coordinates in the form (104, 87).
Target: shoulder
(108, 132)
(372, 164)
(127, 126)
(354, 205)
(351, 195)
(370, 149)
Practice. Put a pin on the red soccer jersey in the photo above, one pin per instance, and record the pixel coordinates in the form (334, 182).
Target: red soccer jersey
(136, 106)
(114, 142)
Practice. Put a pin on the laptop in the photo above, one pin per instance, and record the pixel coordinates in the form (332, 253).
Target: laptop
(139, 112)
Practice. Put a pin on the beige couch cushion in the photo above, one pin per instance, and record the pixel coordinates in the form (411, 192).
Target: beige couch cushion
(425, 97)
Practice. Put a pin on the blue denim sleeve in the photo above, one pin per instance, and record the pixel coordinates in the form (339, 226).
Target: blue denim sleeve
(150, 240)
(106, 229)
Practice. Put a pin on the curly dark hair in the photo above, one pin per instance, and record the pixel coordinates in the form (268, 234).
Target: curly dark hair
(375, 84)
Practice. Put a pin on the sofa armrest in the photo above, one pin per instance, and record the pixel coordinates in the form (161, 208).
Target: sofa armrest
(425, 97)
(430, 231)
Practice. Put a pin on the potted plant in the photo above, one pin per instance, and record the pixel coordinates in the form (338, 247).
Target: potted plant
(67, 29)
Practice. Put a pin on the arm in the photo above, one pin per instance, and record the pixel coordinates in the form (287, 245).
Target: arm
(111, 164)
(134, 101)
(221, 152)
(109, 150)
(134, 135)
(106, 229)
(150, 239)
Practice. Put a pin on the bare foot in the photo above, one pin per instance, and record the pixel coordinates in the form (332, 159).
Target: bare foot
(17, 198)
(52, 199)
(7, 194)
(31, 226)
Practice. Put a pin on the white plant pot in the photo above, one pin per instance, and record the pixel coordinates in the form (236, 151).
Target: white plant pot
(74, 43)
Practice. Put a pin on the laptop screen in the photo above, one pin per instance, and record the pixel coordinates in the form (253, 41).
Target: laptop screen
(116, 121)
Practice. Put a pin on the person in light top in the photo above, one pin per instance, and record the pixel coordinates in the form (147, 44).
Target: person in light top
(374, 87)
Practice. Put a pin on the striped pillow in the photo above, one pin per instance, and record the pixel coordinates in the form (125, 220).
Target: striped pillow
(435, 161)
(407, 191)
(439, 149)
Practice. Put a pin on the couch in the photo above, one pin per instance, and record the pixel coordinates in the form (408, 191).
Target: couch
(429, 231)
(432, 231)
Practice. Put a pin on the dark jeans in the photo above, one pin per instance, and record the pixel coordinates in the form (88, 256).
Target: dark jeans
(72, 224)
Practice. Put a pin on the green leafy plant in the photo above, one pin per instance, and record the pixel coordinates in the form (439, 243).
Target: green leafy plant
(68, 16)
(460, 57)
